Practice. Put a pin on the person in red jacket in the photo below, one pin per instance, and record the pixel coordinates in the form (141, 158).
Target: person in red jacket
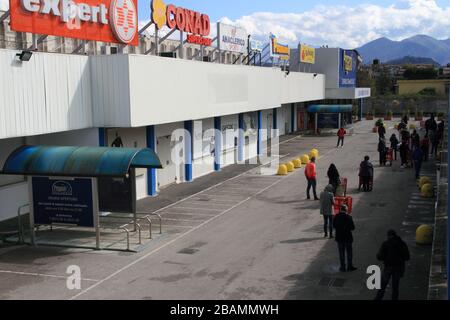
(311, 177)
(341, 135)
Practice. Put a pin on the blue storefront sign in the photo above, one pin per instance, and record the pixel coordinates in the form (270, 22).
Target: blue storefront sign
(347, 68)
(64, 201)
(328, 121)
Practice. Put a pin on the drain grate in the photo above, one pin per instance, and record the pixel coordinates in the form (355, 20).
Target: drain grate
(188, 251)
(332, 282)
(204, 200)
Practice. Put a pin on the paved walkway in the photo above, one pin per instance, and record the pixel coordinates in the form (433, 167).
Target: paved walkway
(251, 237)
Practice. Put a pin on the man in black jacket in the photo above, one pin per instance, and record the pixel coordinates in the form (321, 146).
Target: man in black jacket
(366, 174)
(343, 223)
(394, 253)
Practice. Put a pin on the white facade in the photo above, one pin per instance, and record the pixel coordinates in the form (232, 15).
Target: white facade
(61, 99)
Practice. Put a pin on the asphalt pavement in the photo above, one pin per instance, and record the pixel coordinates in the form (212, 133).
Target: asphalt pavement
(245, 236)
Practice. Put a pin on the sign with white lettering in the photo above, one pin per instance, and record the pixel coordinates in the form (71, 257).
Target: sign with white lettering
(64, 201)
(232, 38)
(99, 20)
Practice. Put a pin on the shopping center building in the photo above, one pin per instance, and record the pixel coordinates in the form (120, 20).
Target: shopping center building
(63, 96)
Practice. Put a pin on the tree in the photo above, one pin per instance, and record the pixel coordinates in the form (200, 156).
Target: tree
(414, 73)
(384, 83)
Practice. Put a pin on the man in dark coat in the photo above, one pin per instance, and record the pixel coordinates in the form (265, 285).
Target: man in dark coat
(343, 224)
(381, 131)
(366, 174)
(394, 253)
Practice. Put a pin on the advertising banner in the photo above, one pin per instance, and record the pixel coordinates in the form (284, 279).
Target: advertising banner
(232, 38)
(256, 45)
(99, 20)
(196, 24)
(347, 69)
(278, 50)
(307, 54)
(328, 121)
(64, 201)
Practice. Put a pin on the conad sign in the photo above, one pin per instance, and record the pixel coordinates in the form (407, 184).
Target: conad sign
(196, 24)
(99, 20)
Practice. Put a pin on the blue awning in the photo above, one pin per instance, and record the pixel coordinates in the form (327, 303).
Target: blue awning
(332, 108)
(78, 161)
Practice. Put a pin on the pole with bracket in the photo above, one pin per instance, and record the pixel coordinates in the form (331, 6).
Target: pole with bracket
(4, 16)
(156, 42)
(448, 202)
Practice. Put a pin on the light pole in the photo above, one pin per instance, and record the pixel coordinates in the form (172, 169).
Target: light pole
(448, 199)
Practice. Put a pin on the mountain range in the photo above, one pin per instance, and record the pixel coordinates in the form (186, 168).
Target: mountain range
(421, 46)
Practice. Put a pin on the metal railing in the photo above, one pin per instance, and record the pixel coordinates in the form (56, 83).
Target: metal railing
(136, 227)
(19, 222)
(148, 215)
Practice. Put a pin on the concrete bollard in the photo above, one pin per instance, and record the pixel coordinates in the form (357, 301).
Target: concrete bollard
(423, 181)
(305, 159)
(290, 167)
(282, 170)
(424, 235)
(314, 153)
(297, 163)
(427, 191)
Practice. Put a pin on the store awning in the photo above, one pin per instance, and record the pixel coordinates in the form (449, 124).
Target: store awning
(333, 108)
(78, 161)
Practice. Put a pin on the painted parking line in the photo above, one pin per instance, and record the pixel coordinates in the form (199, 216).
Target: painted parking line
(42, 275)
(201, 209)
(193, 229)
(181, 236)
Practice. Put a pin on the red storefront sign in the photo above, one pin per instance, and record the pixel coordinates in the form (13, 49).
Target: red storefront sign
(98, 20)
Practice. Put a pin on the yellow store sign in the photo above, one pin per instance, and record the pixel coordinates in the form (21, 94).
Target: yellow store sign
(307, 54)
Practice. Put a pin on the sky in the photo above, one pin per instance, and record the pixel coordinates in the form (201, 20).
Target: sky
(343, 23)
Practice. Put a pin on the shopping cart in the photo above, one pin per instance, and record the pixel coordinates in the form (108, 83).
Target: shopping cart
(361, 184)
(341, 190)
(339, 201)
(390, 156)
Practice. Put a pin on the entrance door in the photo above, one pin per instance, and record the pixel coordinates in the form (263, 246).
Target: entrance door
(301, 121)
(168, 175)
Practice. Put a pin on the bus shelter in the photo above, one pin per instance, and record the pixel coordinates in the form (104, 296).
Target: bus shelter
(72, 185)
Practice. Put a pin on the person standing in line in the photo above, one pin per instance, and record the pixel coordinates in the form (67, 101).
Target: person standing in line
(431, 125)
(334, 178)
(425, 146)
(393, 253)
(366, 174)
(311, 177)
(415, 140)
(382, 151)
(326, 210)
(344, 226)
(417, 157)
(341, 137)
(394, 145)
(404, 151)
(381, 131)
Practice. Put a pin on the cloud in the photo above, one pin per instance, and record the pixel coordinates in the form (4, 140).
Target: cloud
(351, 27)
(4, 5)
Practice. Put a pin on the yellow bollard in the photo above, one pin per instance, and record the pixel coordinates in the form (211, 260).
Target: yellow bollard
(297, 163)
(396, 127)
(412, 126)
(427, 191)
(423, 181)
(290, 167)
(316, 151)
(305, 159)
(282, 170)
(424, 235)
(314, 154)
